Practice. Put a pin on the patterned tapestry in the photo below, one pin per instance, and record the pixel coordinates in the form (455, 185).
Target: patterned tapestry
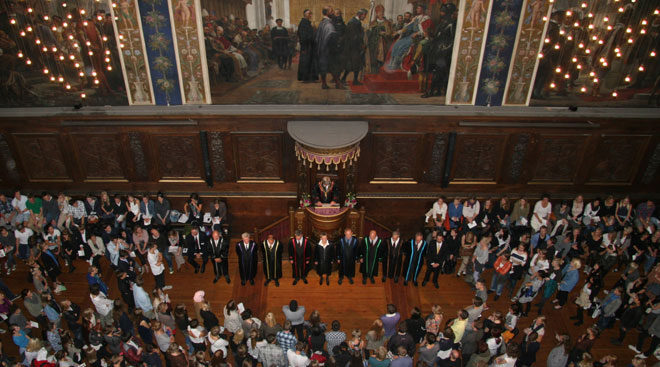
(473, 18)
(133, 55)
(499, 46)
(190, 51)
(531, 30)
(156, 25)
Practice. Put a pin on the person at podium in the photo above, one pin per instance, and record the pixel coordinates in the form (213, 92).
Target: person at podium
(326, 192)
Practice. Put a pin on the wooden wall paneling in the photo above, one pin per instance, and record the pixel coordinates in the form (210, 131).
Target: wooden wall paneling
(518, 151)
(477, 158)
(396, 158)
(258, 157)
(558, 157)
(41, 157)
(140, 169)
(217, 156)
(99, 156)
(617, 159)
(651, 163)
(9, 172)
(178, 157)
(438, 155)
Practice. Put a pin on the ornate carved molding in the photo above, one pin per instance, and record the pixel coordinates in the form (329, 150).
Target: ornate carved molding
(42, 157)
(218, 157)
(518, 157)
(10, 163)
(438, 158)
(139, 161)
(652, 167)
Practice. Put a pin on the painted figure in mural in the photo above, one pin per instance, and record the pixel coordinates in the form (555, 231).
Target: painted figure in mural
(354, 47)
(184, 12)
(477, 9)
(221, 64)
(280, 40)
(398, 25)
(124, 14)
(378, 37)
(326, 191)
(440, 51)
(307, 61)
(536, 12)
(327, 43)
(411, 32)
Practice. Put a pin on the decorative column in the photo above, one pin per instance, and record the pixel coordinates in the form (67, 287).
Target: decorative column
(469, 43)
(534, 15)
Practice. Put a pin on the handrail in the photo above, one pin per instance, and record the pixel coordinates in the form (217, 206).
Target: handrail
(378, 223)
(258, 231)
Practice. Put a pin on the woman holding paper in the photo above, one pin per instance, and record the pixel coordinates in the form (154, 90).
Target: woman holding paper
(541, 213)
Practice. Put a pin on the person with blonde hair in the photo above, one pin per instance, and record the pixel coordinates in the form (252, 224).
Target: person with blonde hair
(375, 337)
(270, 325)
(379, 359)
(356, 343)
(434, 320)
(570, 277)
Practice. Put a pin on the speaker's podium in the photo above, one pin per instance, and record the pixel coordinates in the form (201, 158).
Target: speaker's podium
(329, 219)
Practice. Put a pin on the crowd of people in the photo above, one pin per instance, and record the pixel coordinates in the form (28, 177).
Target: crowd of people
(537, 253)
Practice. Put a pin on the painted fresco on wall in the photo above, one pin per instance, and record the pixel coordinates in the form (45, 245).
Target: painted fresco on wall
(346, 57)
(59, 53)
(597, 52)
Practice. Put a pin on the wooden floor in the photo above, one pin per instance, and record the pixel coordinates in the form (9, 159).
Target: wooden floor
(356, 306)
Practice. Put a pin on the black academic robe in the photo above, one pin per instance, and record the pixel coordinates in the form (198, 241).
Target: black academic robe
(347, 254)
(323, 257)
(354, 45)
(306, 64)
(300, 257)
(320, 193)
(414, 259)
(280, 41)
(372, 255)
(247, 260)
(393, 258)
(219, 250)
(272, 260)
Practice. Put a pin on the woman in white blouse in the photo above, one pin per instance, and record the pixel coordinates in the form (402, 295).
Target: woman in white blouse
(541, 213)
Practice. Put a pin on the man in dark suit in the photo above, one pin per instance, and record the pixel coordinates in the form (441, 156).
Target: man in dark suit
(354, 47)
(246, 250)
(126, 265)
(393, 257)
(219, 252)
(50, 263)
(436, 254)
(347, 255)
(196, 244)
(300, 255)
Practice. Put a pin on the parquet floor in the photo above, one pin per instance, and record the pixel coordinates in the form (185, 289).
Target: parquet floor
(356, 306)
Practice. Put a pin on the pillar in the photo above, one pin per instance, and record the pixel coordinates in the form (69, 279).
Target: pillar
(256, 14)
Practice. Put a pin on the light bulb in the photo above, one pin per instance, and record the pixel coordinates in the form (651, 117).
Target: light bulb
(614, 94)
(61, 57)
(592, 74)
(52, 78)
(574, 59)
(630, 40)
(644, 22)
(114, 5)
(46, 71)
(576, 24)
(606, 19)
(642, 31)
(68, 86)
(54, 49)
(652, 54)
(590, 15)
(600, 42)
(617, 50)
(12, 21)
(77, 65)
(595, 80)
(641, 68)
(37, 41)
(29, 29)
(552, 85)
(69, 16)
(547, 40)
(20, 54)
(22, 33)
(558, 70)
(109, 67)
(107, 52)
(618, 54)
(621, 10)
(584, 5)
(60, 79)
(579, 67)
(540, 55)
(557, 46)
(82, 11)
(65, 24)
(587, 51)
(570, 38)
(605, 63)
(591, 26)
(64, 6)
(567, 76)
(627, 79)
(72, 57)
(83, 95)
(107, 59)
(91, 53)
(105, 38)
(85, 23)
(46, 17)
(81, 74)
(28, 61)
(96, 81)
(54, 29)
(93, 72)
(88, 43)
(45, 49)
(628, 30)
(569, 13)
(30, 10)
(581, 45)
(583, 89)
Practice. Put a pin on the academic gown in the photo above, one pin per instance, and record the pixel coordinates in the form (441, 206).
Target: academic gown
(272, 260)
(247, 259)
(347, 254)
(307, 63)
(323, 257)
(300, 258)
(393, 263)
(414, 259)
(320, 193)
(219, 250)
(372, 255)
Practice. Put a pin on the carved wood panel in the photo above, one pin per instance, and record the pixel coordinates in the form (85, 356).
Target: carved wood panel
(652, 166)
(617, 158)
(436, 167)
(179, 157)
(258, 157)
(42, 158)
(558, 158)
(477, 158)
(217, 157)
(99, 157)
(396, 157)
